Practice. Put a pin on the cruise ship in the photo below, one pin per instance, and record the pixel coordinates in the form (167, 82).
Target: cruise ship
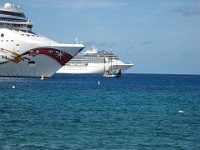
(94, 61)
(25, 53)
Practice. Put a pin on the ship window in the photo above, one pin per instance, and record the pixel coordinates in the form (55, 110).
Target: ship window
(12, 13)
(2, 35)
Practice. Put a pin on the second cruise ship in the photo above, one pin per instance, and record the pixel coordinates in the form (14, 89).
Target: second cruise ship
(94, 61)
(25, 53)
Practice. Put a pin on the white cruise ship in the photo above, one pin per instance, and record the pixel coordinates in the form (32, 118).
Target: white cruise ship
(25, 53)
(94, 61)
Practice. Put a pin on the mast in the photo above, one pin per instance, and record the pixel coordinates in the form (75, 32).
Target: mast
(111, 57)
(104, 61)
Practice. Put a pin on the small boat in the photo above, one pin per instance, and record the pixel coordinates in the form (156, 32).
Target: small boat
(112, 74)
(109, 71)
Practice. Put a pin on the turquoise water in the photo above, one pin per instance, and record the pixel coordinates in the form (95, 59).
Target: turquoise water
(136, 111)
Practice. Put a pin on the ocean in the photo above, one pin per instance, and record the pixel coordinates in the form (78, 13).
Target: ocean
(135, 111)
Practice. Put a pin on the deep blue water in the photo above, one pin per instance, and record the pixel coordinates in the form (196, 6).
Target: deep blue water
(136, 111)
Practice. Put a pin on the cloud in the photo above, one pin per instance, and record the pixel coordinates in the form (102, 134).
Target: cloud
(147, 42)
(190, 10)
(189, 54)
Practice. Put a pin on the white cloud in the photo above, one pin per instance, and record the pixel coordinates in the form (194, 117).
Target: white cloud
(147, 42)
(191, 10)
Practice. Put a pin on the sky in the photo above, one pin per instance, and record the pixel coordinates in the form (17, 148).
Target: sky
(157, 36)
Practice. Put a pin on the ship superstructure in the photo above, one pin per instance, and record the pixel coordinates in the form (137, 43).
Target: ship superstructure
(94, 61)
(25, 53)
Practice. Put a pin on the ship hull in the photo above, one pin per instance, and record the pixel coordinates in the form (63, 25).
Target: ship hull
(90, 68)
(24, 69)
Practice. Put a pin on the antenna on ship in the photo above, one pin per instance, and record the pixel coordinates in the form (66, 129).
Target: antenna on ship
(76, 40)
(111, 49)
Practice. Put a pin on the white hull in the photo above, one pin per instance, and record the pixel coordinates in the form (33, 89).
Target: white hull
(91, 68)
(28, 70)
(31, 55)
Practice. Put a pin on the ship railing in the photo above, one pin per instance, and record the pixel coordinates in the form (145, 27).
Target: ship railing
(16, 21)
(20, 26)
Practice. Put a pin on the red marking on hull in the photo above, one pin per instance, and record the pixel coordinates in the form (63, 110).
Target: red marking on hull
(58, 55)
